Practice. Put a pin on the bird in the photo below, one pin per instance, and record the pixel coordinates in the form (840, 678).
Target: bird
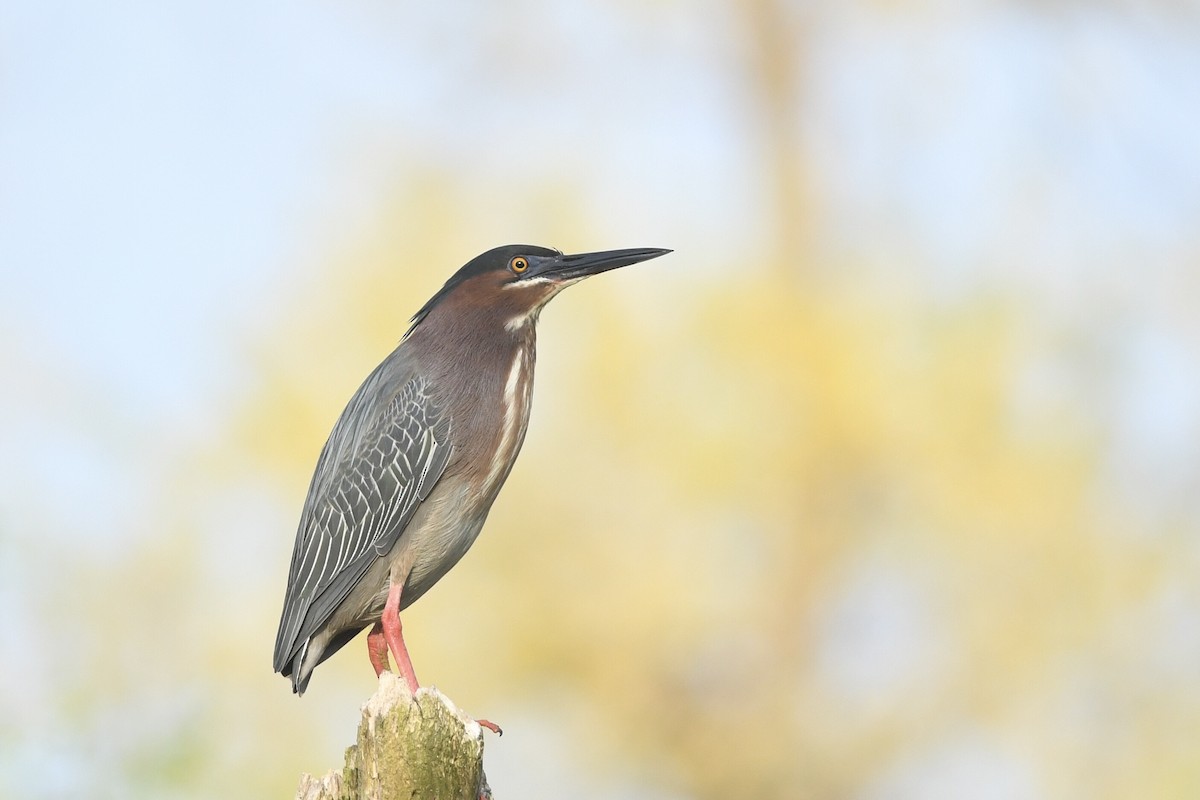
(404, 483)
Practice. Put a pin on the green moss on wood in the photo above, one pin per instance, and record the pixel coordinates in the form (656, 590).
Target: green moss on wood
(408, 747)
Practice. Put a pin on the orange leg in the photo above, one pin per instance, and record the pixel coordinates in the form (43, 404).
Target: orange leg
(377, 650)
(394, 636)
(393, 639)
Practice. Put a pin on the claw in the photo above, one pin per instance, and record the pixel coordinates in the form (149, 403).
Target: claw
(491, 726)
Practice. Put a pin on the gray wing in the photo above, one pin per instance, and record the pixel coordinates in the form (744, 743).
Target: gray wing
(383, 458)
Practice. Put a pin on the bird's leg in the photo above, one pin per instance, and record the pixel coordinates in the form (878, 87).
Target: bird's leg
(394, 636)
(394, 639)
(377, 650)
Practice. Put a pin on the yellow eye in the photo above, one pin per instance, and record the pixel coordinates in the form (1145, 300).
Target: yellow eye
(519, 264)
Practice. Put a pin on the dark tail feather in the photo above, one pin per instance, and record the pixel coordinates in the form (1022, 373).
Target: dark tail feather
(300, 676)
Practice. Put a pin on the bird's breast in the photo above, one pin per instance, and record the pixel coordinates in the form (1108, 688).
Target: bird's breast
(450, 520)
(490, 431)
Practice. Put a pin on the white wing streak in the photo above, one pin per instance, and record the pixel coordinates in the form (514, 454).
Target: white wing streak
(358, 506)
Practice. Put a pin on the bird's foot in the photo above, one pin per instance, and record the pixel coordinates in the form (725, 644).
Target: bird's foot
(491, 726)
(411, 680)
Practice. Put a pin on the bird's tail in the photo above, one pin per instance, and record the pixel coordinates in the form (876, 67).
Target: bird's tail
(293, 669)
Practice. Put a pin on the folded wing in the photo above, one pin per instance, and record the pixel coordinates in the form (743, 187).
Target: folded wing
(369, 482)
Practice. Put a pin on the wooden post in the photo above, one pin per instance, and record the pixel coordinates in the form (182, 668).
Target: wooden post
(408, 746)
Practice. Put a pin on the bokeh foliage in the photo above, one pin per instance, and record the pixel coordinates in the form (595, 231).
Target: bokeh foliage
(785, 525)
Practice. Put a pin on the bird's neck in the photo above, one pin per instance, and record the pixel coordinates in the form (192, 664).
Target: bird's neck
(483, 370)
(471, 353)
(516, 399)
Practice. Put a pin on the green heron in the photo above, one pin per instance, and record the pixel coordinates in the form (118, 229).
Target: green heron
(414, 463)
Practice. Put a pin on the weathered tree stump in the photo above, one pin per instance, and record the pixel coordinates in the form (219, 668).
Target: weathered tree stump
(409, 746)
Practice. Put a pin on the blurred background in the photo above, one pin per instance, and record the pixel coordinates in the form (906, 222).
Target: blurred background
(884, 485)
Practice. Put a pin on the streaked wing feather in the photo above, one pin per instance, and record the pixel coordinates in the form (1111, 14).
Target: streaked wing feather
(356, 514)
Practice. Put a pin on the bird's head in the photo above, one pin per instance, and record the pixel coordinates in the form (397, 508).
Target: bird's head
(514, 282)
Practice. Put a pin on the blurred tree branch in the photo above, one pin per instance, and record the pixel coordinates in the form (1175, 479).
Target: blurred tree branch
(778, 51)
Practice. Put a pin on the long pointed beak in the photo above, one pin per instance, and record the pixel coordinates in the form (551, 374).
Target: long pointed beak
(573, 267)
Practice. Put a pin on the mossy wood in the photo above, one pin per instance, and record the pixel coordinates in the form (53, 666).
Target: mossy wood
(409, 746)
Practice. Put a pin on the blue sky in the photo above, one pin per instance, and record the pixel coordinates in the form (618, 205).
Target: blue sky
(167, 173)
